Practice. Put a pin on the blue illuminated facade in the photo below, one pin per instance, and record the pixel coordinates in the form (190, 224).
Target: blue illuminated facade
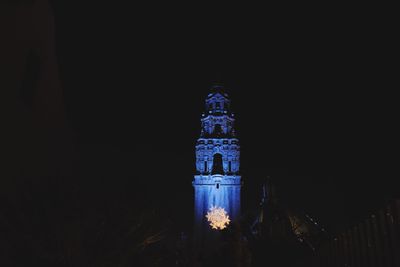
(217, 181)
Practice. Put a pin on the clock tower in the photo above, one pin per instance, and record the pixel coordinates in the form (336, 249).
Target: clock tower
(217, 181)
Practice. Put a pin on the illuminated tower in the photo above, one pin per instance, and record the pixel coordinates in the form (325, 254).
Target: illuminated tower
(217, 181)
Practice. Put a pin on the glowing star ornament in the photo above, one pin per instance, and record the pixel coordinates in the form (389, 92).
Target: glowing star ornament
(218, 218)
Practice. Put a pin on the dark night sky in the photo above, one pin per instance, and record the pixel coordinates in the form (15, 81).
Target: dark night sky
(310, 96)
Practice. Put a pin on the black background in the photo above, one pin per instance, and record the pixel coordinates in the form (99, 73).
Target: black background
(312, 96)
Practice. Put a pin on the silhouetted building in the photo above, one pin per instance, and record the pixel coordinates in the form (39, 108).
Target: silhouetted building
(373, 242)
(280, 236)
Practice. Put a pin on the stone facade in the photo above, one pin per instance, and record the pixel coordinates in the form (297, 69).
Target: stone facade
(217, 181)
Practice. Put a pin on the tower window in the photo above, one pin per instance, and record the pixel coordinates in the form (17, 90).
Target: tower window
(217, 185)
(230, 166)
(217, 129)
(217, 105)
(217, 167)
(205, 166)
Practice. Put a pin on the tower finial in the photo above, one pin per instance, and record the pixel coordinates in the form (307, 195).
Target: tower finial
(217, 83)
(218, 87)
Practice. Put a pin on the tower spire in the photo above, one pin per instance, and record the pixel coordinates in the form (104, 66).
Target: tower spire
(218, 87)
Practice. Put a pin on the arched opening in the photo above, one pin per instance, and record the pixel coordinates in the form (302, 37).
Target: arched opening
(218, 130)
(217, 167)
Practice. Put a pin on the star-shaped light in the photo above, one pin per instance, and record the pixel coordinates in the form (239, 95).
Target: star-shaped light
(218, 218)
